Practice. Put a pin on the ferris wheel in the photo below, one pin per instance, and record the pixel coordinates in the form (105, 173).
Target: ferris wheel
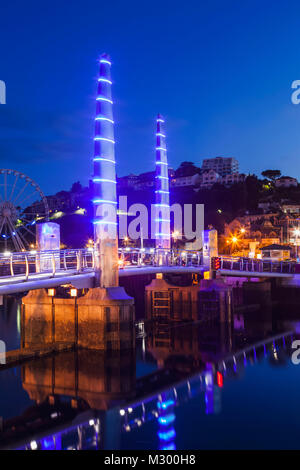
(22, 205)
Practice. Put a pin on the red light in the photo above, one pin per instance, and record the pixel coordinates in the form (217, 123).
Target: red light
(220, 379)
(216, 263)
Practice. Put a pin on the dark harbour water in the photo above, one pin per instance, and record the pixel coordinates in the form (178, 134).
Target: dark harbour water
(200, 386)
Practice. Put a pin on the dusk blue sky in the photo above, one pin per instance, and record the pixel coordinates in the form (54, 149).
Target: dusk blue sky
(219, 71)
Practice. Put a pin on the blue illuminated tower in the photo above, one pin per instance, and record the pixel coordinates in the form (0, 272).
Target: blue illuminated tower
(162, 199)
(104, 182)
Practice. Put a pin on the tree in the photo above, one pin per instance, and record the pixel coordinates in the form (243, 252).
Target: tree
(187, 169)
(186, 164)
(271, 174)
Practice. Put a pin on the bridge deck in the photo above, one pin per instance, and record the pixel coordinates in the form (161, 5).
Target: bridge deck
(17, 284)
(239, 273)
(76, 266)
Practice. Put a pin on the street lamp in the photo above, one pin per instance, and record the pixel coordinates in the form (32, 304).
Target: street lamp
(233, 241)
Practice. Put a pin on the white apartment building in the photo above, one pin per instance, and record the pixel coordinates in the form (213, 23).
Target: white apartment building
(221, 165)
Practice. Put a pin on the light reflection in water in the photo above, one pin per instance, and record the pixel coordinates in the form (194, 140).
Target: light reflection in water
(158, 407)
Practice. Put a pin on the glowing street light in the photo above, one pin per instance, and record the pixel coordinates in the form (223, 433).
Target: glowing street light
(233, 240)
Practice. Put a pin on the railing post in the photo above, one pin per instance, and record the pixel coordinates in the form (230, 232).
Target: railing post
(65, 260)
(53, 265)
(11, 265)
(84, 260)
(79, 260)
(27, 268)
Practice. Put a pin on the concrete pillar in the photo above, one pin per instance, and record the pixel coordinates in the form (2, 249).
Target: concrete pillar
(210, 248)
(47, 238)
(104, 183)
(106, 319)
(37, 326)
(103, 319)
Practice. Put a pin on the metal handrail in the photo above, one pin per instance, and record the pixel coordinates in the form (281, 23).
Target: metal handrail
(50, 261)
(53, 265)
(11, 265)
(27, 267)
(80, 260)
(256, 265)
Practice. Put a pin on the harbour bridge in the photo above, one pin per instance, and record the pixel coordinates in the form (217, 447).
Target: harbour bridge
(21, 272)
(102, 265)
(101, 316)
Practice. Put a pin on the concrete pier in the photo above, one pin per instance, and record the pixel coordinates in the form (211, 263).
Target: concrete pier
(165, 301)
(103, 319)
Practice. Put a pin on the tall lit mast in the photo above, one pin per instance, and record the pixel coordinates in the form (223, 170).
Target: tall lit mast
(104, 182)
(162, 199)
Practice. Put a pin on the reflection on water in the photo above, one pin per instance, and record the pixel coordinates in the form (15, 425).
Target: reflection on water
(202, 385)
(10, 322)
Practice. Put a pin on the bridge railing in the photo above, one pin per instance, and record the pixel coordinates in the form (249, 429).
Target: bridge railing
(51, 262)
(151, 257)
(234, 263)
